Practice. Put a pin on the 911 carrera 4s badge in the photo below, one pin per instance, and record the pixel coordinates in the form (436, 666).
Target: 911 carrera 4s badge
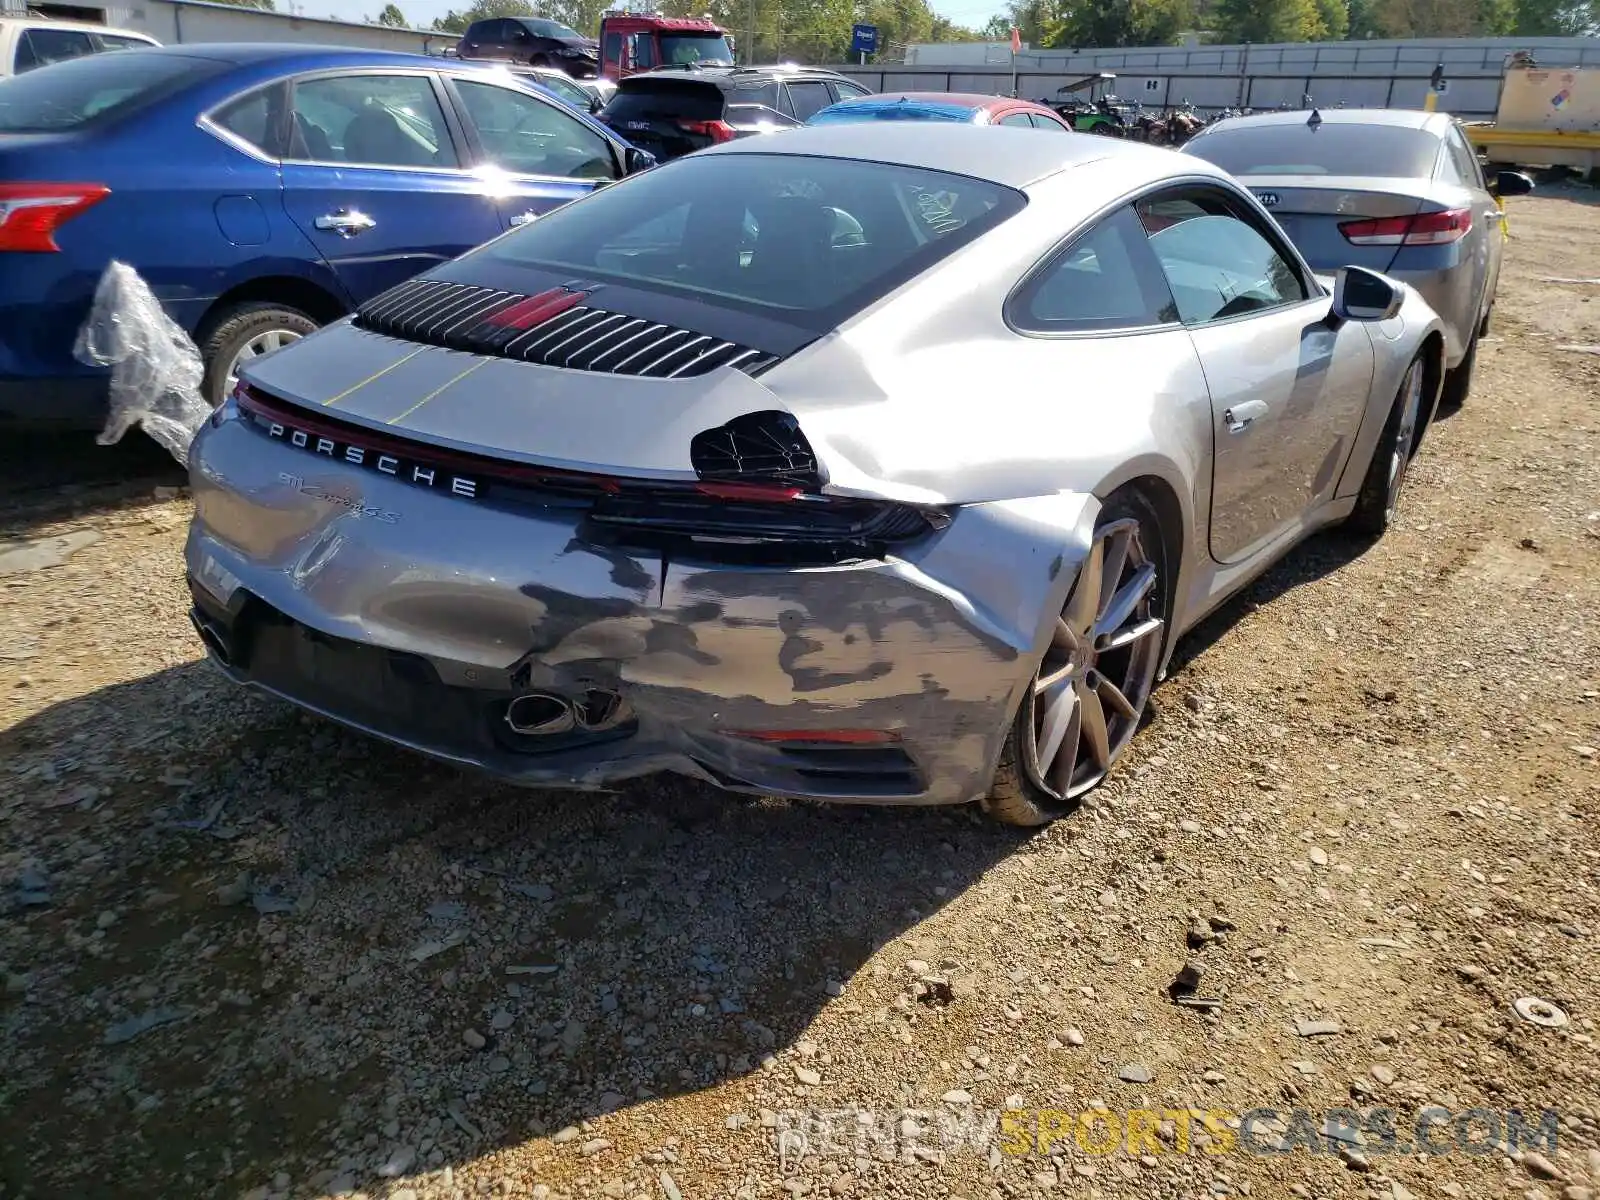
(412, 471)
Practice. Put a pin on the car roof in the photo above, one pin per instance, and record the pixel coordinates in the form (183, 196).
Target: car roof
(1010, 157)
(972, 100)
(34, 22)
(718, 73)
(253, 53)
(1399, 118)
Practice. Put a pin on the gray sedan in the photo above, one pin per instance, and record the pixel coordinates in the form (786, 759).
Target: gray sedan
(1393, 190)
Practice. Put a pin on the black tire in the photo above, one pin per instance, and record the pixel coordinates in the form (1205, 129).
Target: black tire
(234, 329)
(539, 60)
(1458, 381)
(1016, 796)
(1379, 499)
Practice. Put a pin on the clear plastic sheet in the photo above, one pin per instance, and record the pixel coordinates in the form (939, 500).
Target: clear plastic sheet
(155, 368)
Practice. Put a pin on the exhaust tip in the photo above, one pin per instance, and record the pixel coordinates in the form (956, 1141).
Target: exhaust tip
(540, 714)
(214, 642)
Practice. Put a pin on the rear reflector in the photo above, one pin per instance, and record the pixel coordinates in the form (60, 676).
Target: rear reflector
(717, 131)
(1422, 229)
(31, 213)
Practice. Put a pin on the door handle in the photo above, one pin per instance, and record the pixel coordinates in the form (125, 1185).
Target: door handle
(346, 222)
(524, 218)
(1241, 416)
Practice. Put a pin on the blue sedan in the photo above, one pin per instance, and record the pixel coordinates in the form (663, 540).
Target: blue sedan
(260, 190)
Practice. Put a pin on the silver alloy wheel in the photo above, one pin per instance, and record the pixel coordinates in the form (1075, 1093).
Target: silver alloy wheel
(1400, 456)
(1098, 672)
(264, 342)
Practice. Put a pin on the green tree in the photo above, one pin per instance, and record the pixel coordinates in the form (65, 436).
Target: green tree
(1120, 22)
(264, 5)
(457, 22)
(1265, 21)
(1363, 21)
(391, 16)
(1335, 18)
(1556, 18)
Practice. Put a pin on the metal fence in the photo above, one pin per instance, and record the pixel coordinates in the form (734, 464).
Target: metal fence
(1389, 74)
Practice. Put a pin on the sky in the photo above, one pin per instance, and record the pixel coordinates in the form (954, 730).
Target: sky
(420, 14)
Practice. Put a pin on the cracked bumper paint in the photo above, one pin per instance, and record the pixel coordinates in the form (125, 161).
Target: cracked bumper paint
(415, 616)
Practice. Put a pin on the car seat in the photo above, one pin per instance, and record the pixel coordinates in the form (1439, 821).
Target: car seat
(375, 136)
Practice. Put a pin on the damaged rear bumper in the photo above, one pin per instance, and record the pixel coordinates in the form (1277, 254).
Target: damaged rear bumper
(423, 617)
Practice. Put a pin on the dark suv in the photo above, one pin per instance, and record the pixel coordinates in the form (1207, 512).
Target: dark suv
(675, 110)
(532, 40)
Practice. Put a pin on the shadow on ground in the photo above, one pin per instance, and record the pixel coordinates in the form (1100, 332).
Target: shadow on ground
(46, 478)
(605, 949)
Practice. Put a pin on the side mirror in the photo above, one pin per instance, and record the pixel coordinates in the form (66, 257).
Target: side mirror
(596, 104)
(635, 160)
(1363, 295)
(1511, 183)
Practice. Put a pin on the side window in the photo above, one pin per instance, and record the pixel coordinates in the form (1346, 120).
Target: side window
(529, 136)
(1217, 264)
(115, 41)
(848, 91)
(611, 47)
(1040, 121)
(808, 96)
(509, 32)
(372, 120)
(1017, 121)
(1105, 280)
(566, 89)
(41, 47)
(1464, 158)
(644, 50)
(249, 118)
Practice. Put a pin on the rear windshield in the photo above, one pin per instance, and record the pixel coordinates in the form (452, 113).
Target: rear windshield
(1332, 148)
(810, 239)
(685, 99)
(86, 91)
(683, 48)
(552, 29)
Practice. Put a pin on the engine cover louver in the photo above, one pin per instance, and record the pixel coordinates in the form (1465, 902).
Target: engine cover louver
(553, 328)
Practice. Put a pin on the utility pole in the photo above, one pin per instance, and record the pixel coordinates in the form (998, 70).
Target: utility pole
(750, 53)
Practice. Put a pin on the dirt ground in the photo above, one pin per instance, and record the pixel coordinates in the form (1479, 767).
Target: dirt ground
(247, 953)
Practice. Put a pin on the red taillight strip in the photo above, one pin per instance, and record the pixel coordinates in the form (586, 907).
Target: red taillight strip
(1420, 229)
(30, 213)
(254, 401)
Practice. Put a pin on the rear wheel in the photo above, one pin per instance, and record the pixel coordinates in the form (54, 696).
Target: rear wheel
(539, 60)
(1379, 499)
(1090, 690)
(244, 332)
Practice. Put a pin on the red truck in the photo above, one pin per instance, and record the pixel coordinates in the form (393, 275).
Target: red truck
(631, 42)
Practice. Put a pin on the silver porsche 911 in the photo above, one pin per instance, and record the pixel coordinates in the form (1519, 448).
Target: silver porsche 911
(868, 463)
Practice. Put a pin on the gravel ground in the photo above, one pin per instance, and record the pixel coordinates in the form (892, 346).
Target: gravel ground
(247, 953)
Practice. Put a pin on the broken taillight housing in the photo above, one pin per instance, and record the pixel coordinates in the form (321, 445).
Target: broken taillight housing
(31, 213)
(1420, 229)
(759, 447)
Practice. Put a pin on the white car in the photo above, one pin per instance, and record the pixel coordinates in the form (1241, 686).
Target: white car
(29, 42)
